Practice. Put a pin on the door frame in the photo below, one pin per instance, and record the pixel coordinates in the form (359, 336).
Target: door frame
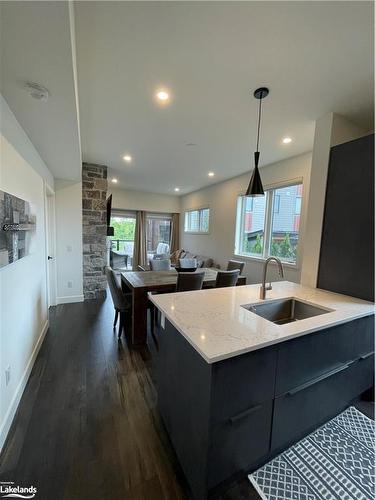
(50, 240)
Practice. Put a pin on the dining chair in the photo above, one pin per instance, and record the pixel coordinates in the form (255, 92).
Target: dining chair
(227, 278)
(235, 264)
(121, 302)
(187, 263)
(160, 264)
(189, 281)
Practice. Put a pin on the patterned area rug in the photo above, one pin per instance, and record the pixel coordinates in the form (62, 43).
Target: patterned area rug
(336, 462)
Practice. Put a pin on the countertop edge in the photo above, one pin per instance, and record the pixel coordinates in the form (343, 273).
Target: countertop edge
(259, 346)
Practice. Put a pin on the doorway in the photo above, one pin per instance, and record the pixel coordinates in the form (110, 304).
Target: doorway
(50, 245)
(122, 242)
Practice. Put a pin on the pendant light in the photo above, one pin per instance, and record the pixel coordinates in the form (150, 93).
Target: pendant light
(255, 185)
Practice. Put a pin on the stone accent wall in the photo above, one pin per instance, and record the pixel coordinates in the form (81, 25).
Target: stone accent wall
(94, 231)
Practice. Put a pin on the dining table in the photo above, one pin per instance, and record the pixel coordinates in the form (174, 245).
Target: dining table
(140, 283)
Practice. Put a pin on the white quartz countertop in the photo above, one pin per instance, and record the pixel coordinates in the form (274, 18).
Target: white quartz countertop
(216, 325)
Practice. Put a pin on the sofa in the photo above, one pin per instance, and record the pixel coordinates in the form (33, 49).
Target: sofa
(202, 260)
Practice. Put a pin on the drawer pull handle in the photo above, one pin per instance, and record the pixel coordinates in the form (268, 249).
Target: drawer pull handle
(318, 379)
(244, 414)
(368, 355)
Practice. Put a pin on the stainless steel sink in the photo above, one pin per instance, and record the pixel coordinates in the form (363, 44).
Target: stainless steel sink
(286, 310)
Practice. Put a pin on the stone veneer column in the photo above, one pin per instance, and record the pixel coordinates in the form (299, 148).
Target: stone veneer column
(94, 231)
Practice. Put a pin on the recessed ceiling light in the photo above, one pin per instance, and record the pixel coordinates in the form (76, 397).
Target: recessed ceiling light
(177, 189)
(162, 95)
(114, 180)
(287, 140)
(127, 158)
(211, 174)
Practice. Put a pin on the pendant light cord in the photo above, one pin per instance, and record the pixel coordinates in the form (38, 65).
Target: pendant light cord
(259, 117)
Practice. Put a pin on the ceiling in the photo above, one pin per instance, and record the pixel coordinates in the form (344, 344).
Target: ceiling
(315, 57)
(36, 47)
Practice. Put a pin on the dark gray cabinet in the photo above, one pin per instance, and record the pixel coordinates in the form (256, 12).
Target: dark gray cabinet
(238, 442)
(306, 358)
(304, 408)
(347, 247)
(233, 415)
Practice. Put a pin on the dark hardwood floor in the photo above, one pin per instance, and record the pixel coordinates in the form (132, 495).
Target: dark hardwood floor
(87, 426)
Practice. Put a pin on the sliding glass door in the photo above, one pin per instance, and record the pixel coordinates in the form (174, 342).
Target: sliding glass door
(158, 234)
(123, 239)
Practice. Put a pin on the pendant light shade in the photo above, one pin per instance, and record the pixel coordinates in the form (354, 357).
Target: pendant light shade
(255, 187)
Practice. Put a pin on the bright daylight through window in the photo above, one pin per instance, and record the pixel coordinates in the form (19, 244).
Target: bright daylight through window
(158, 234)
(197, 221)
(269, 225)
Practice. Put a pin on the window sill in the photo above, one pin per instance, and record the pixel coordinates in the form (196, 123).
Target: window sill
(262, 260)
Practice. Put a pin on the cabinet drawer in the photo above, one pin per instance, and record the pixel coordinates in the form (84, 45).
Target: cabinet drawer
(241, 382)
(364, 336)
(307, 357)
(303, 409)
(239, 442)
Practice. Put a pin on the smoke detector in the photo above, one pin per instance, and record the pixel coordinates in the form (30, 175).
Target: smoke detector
(37, 91)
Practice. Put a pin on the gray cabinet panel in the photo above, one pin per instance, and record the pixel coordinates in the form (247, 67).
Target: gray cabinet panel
(305, 358)
(184, 385)
(363, 331)
(242, 382)
(304, 408)
(239, 442)
(347, 247)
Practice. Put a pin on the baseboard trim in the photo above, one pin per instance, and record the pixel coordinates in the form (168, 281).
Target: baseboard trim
(9, 416)
(70, 299)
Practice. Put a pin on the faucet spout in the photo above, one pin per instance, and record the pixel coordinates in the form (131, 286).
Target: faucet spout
(265, 287)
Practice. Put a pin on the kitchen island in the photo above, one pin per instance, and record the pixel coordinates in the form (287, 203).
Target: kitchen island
(235, 388)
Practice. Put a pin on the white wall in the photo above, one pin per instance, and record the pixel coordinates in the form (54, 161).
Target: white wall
(23, 287)
(330, 130)
(127, 199)
(222, 200)
(69, 241)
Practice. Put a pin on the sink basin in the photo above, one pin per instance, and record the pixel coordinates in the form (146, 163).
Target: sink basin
(285, 310)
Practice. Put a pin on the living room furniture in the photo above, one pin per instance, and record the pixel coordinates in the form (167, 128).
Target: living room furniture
(187, 263)
(227, 278)
(161, 249)
(189, 281)
(121, 302)
(118, 260)
(235, 264)
(139, 283)
(202, 260)
(160, 264)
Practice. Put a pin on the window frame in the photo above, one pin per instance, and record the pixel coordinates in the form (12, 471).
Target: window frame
(199, 210)
(268, 219)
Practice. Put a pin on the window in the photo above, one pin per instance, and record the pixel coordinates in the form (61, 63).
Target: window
(271, 227)
(158, 230)
(197, 221)
(123, 238)
(251, 232)
(124, 230)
